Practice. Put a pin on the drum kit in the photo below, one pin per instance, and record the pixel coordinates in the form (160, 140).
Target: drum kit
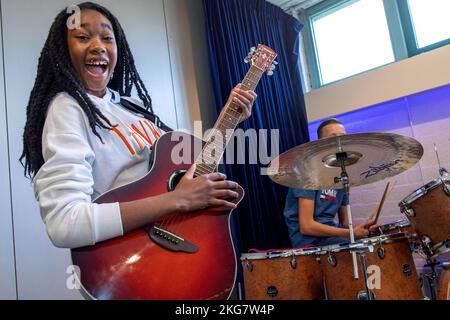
(378, 267)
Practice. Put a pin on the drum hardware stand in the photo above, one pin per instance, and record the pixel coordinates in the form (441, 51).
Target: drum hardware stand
(432, 276)
(367, 295)
(427, 247)
(341, 158)
(344, 180)
(443, 173)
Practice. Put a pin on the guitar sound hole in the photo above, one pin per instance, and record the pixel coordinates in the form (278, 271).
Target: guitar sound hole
(174, 179)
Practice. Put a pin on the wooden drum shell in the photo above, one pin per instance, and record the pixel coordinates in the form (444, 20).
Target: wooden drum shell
(399, 280)
(276, 279)
(431, 213)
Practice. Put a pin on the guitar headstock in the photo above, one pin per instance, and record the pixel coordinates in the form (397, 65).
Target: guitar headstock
(262, 58)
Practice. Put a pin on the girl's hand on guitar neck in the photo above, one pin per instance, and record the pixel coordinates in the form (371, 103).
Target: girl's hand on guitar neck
(243, 99)
(209, 190)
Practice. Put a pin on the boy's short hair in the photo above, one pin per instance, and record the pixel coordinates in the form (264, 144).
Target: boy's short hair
(325, 123)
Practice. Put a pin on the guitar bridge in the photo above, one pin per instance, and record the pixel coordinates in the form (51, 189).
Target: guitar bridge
(169, 240)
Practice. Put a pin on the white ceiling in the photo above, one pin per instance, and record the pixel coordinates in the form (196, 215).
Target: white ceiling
(291, 6)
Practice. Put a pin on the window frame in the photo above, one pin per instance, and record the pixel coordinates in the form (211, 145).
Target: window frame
(401, 32)
(410, 34)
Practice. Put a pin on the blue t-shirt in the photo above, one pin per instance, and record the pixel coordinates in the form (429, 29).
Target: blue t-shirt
(326, 205)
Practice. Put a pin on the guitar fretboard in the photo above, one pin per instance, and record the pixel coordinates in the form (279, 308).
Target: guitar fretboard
(224, 128)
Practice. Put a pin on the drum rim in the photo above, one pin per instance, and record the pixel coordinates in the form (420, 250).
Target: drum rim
(396, 224)
(423, 190)
(368, 242)
(280, 254)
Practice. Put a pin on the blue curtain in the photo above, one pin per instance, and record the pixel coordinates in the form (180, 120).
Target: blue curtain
(233, 27)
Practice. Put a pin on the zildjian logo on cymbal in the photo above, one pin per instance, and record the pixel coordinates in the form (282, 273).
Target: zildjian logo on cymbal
(383, 167)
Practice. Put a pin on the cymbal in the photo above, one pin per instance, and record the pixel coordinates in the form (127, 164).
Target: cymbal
(370, 157)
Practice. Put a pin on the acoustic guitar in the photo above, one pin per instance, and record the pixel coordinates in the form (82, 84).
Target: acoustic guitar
(181, 256)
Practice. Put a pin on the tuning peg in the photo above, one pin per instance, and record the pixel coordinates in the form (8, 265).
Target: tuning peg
(275, 63)
(272, 67)
(252, 49)
(270, 73)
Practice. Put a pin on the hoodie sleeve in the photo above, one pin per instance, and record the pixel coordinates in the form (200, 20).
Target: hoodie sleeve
(64, 184)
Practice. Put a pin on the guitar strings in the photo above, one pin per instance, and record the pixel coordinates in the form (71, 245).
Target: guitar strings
(177, 219)
(203, 167)
(174, 222)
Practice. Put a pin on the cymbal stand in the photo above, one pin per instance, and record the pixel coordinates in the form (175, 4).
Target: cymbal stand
(342, 157)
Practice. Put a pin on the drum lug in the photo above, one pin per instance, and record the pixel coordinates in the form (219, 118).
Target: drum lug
(407, 270)
(293, 262)
(249, 265)
(332, 261)
(362, 295)
(272, 291)
(446, 190)
(319, 261)
(381, 253)
(409, 212)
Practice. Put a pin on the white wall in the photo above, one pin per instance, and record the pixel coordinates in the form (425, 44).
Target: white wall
(40, 267)
(189, 61)
(7, 264)
(422, 72)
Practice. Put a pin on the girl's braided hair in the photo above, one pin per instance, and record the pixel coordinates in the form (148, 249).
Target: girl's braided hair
(56, 74)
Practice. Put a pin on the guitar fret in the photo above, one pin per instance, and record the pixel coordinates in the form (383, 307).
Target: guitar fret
(234, 115)
(231, 126)
(223, 129)
(213, 143)
(201, 171)
(207, 169)
(235, 108)
(250, 82)
(208, 163)
(202, 167)
(217, 152)
(253, 77)
(235, 111)
(209, 166)
(210, 156)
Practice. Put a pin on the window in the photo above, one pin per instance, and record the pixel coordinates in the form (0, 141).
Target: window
(351, 40)
(347, 37)
(427, 23)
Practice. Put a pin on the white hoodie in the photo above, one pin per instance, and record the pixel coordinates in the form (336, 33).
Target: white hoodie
(79, 168)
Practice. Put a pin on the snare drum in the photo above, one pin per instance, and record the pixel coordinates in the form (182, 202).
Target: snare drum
(283, 275)
(395, 227)
(428, 209)
(390, 269)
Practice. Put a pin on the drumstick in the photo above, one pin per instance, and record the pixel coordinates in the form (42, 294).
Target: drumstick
(378, 206)
(381, 203)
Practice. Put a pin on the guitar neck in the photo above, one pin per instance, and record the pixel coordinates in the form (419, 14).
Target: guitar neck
(224, 127)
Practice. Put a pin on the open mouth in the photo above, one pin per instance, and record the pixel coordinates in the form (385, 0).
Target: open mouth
(97, 67)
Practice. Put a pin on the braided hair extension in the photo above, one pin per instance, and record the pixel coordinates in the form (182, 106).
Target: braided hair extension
(56, 74)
